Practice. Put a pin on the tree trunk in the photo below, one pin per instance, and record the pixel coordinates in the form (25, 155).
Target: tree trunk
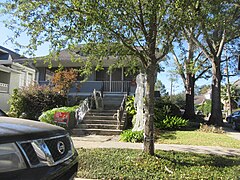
(189, 112)
(149, 111)
(216, 110)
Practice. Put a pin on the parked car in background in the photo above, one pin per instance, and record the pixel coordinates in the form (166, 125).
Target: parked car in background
(236, 123)
(35, 150)
(232, 116)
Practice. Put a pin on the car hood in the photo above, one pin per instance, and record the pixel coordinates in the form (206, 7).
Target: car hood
(16, 129)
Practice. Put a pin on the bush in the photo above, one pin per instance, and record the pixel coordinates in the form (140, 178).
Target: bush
(131, 112)
(167, 108)
(171, 123)
(30, 102)
(131, 136)
(48, 116)
(130, 106)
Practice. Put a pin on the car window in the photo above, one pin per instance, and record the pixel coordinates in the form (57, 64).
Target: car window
(236, 113)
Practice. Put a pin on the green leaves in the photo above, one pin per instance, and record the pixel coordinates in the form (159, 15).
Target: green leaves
(131, 136)
(132, 164)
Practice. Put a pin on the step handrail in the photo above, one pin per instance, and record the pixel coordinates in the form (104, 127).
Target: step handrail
(120, 112)
(98, 99)
(82, 110)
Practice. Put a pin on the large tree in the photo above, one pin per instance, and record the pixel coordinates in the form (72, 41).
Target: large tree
(219, 24)
(191, 65)
(144, 27)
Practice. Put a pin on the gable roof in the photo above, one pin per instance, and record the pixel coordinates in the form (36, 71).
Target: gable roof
(7, 56)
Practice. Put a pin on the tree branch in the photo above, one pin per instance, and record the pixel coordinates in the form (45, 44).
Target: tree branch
(196, 41)
(180, 68)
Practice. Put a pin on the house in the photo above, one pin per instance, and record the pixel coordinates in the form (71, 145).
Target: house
(12, 75)
(200, 99)
(116, 83)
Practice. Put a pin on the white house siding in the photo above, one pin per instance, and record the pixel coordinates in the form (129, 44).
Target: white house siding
(4, 97)
(17, 76)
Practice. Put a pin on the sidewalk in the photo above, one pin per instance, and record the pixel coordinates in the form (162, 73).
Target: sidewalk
(95, 141)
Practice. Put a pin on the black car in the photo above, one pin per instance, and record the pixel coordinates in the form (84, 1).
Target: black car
(230, 118)
(236, 123)
(35, 150)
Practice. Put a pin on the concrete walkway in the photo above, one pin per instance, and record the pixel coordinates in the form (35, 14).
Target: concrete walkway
(95, 141)
(232, 133)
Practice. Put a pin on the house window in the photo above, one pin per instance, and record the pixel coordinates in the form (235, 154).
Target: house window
(29, 79)
(117, 75)
(22, 79)
(102, 75)
(128, 76)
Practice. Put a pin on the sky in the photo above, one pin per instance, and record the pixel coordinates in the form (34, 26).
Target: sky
(44, 50)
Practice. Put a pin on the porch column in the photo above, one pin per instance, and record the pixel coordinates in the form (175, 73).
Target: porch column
(122, 78)
(110, 83)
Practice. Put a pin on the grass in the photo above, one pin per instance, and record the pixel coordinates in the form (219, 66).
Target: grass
(196, 138)
(133, 164)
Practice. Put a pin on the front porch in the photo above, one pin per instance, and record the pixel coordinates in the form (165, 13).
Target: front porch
(106, 87)
(103, 86)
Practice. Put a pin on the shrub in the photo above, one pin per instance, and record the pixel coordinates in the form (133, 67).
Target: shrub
(171, 123)
(167, 108)
(131, 136)
(31, 101)
(131, 112)
(48, 116)
(130, 106)
(16, 104)
(63, 80)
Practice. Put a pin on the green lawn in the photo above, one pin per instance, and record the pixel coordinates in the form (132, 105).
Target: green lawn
(133, 164)
(196, 138)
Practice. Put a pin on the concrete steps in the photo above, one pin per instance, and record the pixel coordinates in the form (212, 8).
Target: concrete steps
(112, 102)
(97, 122)
(105, 132)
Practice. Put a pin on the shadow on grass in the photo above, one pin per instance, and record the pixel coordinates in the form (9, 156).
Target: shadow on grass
(163, 134)
(193, 159)
(171, 134)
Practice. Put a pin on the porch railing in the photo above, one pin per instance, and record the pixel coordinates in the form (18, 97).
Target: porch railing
(116, 86)
(4, 87)
(105, 86)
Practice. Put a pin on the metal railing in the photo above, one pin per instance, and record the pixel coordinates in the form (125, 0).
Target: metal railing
(82, 110)
(105, 86)
(4, 87)
(120, 112)
(116, 86)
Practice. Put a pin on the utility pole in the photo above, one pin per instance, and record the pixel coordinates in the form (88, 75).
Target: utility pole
(171, 90)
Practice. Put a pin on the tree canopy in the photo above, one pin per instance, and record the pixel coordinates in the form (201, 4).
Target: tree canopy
(218, 23)
(141, 27)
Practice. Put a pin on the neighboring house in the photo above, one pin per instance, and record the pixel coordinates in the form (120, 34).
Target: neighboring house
(200, 99)
(115, 83)
(12, 75)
